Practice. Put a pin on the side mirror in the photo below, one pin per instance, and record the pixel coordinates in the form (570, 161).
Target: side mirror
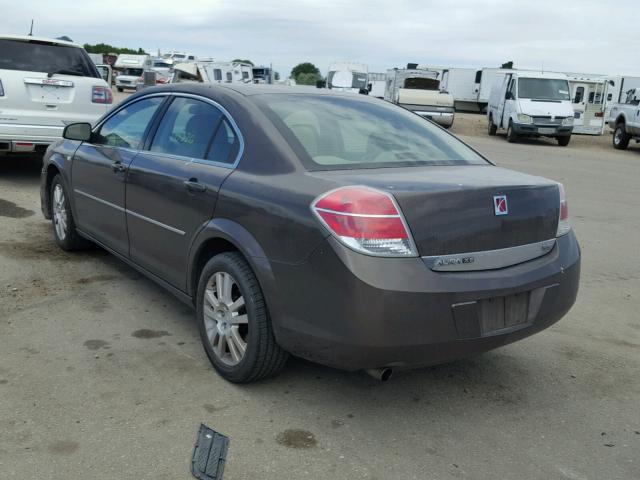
(77, 131)
(508, 96)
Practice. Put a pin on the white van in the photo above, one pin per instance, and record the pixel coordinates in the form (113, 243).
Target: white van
(131, 68)
(531, 104)
(45, 84)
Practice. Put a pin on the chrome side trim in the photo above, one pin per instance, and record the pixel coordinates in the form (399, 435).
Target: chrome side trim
(155, 222)
(135, 214)
(489, 259)
(99, 200)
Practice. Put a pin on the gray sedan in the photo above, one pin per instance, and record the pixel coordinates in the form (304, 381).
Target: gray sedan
(334, 227)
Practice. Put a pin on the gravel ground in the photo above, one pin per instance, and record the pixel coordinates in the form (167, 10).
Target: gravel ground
(102, 374)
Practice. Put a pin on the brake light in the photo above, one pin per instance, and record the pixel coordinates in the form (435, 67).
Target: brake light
(564, 225)
(1, 89)
(101, 95)
(366, 220)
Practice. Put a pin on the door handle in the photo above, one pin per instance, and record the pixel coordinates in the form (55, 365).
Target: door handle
(194, 186)
(118, 167)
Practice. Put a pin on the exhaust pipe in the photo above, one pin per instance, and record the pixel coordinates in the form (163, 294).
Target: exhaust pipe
(380, 374)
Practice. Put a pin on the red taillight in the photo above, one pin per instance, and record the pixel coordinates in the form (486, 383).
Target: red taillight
(366, 220)
(101, 95)
(564, 225)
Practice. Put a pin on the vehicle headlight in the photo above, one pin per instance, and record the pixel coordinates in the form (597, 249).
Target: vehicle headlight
(567, 122)
(522, 118)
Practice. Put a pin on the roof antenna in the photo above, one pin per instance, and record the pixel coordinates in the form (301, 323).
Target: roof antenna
(31, 31)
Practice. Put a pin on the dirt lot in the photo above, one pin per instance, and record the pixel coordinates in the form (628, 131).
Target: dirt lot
(102, 374)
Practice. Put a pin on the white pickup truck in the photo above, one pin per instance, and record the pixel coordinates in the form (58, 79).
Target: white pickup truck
(624, 120)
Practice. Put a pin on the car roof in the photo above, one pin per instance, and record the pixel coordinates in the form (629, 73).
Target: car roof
(29, 38)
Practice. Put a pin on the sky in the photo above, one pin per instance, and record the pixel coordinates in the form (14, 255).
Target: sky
(569, 35)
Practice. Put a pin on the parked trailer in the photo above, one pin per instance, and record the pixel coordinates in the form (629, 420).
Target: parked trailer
(377, 83)
(348, 77)
(589, 101)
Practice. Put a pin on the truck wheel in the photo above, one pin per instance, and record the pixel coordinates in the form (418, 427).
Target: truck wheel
(511, 135)
(234, 322)
(620, 137)
(493, 128)
(564, 141)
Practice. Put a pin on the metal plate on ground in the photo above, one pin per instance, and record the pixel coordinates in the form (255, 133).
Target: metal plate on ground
(209, 454)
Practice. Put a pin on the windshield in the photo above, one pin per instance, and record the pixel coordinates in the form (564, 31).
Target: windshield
(132, 72)
(37, 56)
(340, 133)
(421, 83)
(543, 89)
(347, 79)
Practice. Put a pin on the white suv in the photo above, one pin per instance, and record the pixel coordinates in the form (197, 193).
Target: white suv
(45, 84)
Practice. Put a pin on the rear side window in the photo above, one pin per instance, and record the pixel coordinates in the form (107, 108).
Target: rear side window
(224, 147)
(345, 132)
(187, 128)
(127, 127)
(36, 56)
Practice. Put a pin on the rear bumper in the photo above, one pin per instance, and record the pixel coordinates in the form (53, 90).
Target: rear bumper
(441, 115)
(353, 312)
(530, 129)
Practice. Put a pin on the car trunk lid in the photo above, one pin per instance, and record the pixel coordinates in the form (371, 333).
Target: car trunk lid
(452, 209)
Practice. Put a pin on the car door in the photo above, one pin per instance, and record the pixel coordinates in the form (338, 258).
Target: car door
(509, 103)
(99, 171)
(173, 185)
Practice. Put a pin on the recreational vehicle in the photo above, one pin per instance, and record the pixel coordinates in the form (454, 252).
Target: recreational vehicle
(418, 90)
(589, 101)
(348, 77)
(213, 72)
(131, 68)
(531, 104)
(377, 83)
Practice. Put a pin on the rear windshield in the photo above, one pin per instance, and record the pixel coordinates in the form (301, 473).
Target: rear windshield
(543, 89)
(342, 132)
(420, 83)
(35, 56)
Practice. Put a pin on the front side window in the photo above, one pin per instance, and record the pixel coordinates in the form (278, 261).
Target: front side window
(340, 133)
(187, 128)
(127, 127)
(543, 89)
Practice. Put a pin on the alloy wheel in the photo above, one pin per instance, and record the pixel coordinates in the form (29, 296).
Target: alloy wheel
(59, 212)
(225, 318)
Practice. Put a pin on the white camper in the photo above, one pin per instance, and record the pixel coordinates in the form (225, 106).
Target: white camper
(377, 84)
(531, 104)
(418, 90)
(213, 72)
(131, 68)
(589, 100)
(348, 77)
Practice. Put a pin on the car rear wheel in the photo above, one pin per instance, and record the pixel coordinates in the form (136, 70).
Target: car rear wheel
(64, 226)
(234, 322)
(493, 128)
(620, 137)
(564, 141)
(511, 135)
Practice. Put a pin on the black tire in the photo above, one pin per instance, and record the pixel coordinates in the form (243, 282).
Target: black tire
(263, 357)
(71, 240)
(492, 128)
(620, 137)
(511, 135)
(120, 89)
(564, 141)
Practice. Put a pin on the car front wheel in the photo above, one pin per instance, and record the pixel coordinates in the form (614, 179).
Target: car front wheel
(234, 322)
(64, 226)
(512, 136)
